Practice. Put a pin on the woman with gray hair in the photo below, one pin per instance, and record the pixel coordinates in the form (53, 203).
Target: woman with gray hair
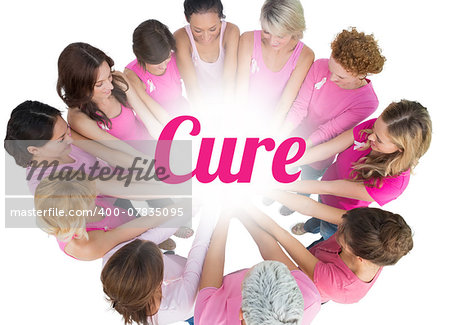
(272, 292)
(273, 62)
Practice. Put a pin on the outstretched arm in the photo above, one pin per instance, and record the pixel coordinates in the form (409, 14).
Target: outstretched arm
(340, 187)
(231, 42)
(186, 66)
(293, 85)
(156, 109)
(100, 242)
(327, 149)
(267, 245)
(308, 206)
(153, 126)
(213, 267)
(304, 259)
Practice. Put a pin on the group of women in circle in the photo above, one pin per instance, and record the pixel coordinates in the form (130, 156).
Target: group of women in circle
(273, 75)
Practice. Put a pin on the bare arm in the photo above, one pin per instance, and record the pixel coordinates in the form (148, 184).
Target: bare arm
(304, 259)
(157, 110)
(213, 267)
(186, 66)
(308, 206)
(341, 187)
(243, 68)
(113, 157)
(152, 125)
(327, 149)
(267, 245)
(293, 85)
(82, 124)
(135, 190)
(231, 43)
(100, 242)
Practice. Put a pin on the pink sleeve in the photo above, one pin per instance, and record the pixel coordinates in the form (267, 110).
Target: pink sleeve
(299, 108)
(184, 290)
(391, 188)
(346, 120)
(200, 303)
(158, 234)
(362, 126)
(326, 280)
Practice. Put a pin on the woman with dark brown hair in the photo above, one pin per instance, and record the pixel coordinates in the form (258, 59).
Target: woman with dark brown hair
(102, 105)
(346, 266)
(154, 73)
(147, 287)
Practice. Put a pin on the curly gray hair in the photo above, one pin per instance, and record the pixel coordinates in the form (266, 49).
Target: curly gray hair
(270, 295)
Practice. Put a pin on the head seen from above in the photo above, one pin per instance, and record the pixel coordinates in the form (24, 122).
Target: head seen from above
(36, 131)
(204, 18)
(85, 79)
(132, 280)
(153, 45)
(270, 295)
(399, 137)
(378, 236)
(60, 194)
(282, 21)
(354, 55)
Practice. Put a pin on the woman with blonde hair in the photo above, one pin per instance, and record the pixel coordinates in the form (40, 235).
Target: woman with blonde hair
(273, 62)
(85, 225)
(374, 163)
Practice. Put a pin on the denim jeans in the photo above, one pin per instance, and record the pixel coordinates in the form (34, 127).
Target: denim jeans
(314, 225)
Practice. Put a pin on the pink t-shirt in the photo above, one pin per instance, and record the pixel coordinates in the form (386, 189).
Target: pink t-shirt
(332, 277)
(323, 110)
(82, 161)
(126, 126)
(220, 306)
(266, 86)
(164, 89)
(390, 189)
(113, 218)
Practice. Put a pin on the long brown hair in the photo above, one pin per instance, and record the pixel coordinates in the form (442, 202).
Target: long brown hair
(78, 67)
(409, 127)
(132, 280)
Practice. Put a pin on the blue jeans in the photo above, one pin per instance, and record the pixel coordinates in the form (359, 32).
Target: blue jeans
(314, 225)
(190, 321)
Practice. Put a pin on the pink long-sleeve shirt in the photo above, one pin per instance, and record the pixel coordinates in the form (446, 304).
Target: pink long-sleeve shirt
(323, 110)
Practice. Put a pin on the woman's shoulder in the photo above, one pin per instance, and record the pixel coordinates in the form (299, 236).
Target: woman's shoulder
(246, 38)
(74, 113)
(307, 51)
(181, 35)
(231, 31)
(182, 40)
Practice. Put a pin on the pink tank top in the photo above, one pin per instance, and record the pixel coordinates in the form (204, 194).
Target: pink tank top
(266, 86)
(164, 89)
(114, 217)
(126, 126)
(209, 74)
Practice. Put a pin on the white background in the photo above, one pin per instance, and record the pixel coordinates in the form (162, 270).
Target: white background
(40, 284)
